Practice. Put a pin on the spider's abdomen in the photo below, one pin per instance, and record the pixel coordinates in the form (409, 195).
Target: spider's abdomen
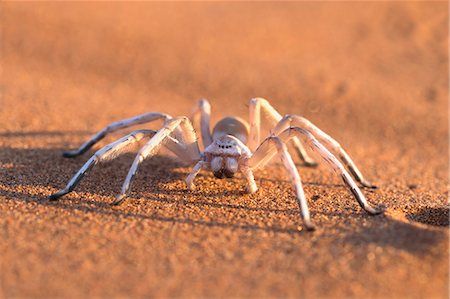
(233, 126)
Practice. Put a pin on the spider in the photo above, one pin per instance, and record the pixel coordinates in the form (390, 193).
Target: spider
(232, 146)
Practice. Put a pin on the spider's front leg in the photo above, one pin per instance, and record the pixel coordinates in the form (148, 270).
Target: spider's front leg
(275, 144)
(183, 126)
(258, 105)
(185, 148)
(265, 152)
(191, 177)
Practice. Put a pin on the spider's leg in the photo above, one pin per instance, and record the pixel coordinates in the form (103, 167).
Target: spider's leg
(187, 154)
(294, 120)
(255, 107)
(201, 119)
(335, 164)
(191, 177)
(113, 127)
(251, 184)
(106, 153)
(152, 146)
(265, 152)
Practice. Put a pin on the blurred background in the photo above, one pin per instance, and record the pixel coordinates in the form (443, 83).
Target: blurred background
(375, 59)
(373, 75)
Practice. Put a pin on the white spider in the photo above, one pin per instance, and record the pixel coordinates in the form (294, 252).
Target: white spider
(232, 147)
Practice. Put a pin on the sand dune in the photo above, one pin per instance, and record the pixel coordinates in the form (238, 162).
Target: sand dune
(373, 75)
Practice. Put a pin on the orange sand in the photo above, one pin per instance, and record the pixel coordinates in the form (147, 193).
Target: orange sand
(373, 75)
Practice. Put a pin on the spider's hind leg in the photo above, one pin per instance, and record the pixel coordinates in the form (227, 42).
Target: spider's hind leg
(301, 122)
(303, 155)
(106, 153)
(335, 164)
(113, 127)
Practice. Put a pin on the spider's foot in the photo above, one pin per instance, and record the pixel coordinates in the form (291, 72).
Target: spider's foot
(251, 189)
(368, 184)
(310, 163)
(57, 195)
(309, 226)
(119, 199)
(191, 186)
(374, 211)
(71, 154)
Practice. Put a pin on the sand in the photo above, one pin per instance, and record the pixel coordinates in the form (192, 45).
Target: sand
(372, 75)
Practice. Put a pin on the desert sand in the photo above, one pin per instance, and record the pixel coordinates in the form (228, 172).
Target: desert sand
(372, 75)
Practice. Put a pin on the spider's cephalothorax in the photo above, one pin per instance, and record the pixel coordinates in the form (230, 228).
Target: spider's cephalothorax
(232, 147)
(227, 151)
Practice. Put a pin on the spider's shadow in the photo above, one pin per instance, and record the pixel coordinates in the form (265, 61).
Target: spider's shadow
(46, 167)
(33, 167)
(156, 173)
